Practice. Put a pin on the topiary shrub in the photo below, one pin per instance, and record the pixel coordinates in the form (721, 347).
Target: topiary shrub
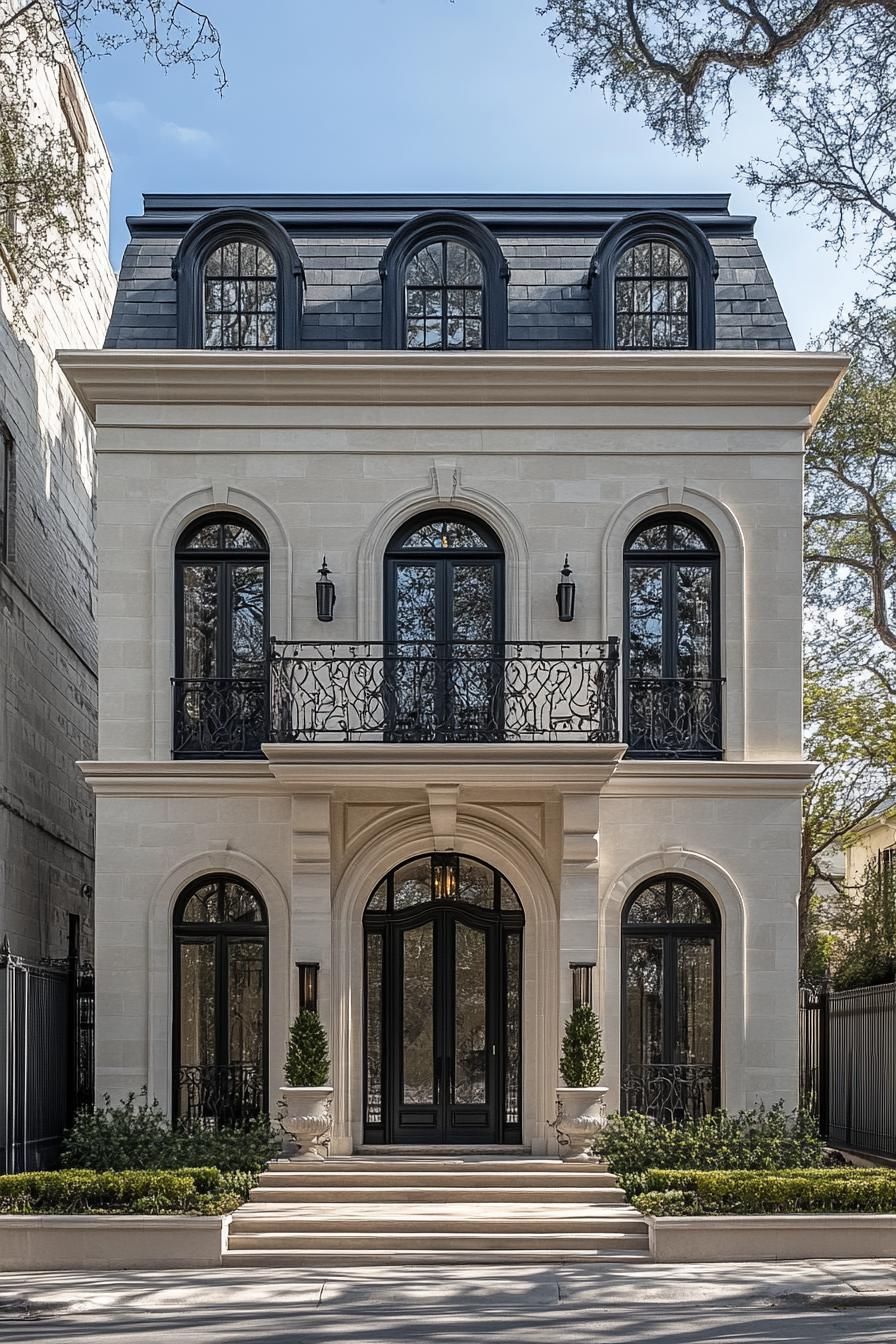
(137, 1136)
(582, 1058)
(307, 1059)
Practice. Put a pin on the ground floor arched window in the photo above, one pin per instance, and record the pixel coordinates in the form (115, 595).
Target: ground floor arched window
(220, 1001)
(671, 974)
(443, 949)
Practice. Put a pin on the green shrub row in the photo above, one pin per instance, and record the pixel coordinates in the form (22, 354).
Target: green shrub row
(766, 1138)
(137, 1136)
(820, 1190)
(200, 1190)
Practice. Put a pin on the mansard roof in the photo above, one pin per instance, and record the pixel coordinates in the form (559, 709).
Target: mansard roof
(549, 243)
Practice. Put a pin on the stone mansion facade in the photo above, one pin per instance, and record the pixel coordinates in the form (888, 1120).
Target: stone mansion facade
(450, 641)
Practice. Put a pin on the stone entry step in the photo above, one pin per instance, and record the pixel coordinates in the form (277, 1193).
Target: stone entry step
(436, 1209)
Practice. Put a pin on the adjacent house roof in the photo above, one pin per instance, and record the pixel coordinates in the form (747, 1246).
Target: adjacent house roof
(548, 241)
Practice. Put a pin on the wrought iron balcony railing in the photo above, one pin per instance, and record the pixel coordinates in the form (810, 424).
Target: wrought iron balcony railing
(220, 716)
(415, 692)
(220, 1095)
(409, 692)
(674, 717)
(670, 1092)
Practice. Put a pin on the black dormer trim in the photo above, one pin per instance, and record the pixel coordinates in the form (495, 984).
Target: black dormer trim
(664, 226)
(241, 225)
(431, 227)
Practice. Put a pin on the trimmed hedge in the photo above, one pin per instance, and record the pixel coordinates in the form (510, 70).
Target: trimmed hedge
(763, 1139)
(815, 1190)
(190, 1190)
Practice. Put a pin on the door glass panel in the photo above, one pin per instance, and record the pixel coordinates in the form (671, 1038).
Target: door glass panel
(374, 1028)
(694, 607)
(412, 674)
(200, 621)
(413, 884)
(247, 620)
(415, 603)
(476, 885)
(197, 1004)
(245, 1002)
(644, 1000)
(473, 670)
(509, 898)
(417, 1016)
(473, 603)
(513, 945)
(694, 1010)
(688, 906)
(645, 621)
(470, 1016)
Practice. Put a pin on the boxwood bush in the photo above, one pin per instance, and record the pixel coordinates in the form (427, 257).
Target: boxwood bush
(765, 1138)
(197, 1190)
(820, 1190)
(136, 1135)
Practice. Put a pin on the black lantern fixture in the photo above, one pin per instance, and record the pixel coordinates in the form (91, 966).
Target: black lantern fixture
(326, 594)
(308, 985)
(566, 593)
(581, 982)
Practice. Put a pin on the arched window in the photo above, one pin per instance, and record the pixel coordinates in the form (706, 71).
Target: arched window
(444, 629)
(221, 637)
(652, 285)
(671, 968)
(220, 1001)
(443, 298)
(444, 286)
(671, 646)
(443, 962)
(240, 298)
(653, 308)
(239, 284)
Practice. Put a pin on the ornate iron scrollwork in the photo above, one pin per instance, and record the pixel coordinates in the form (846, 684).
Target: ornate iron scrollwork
(220, 716)
(675, 716)
(670, 1092)
(220, 1095)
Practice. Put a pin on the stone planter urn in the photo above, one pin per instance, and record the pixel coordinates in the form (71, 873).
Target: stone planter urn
(581, 1112)
(307, 1119)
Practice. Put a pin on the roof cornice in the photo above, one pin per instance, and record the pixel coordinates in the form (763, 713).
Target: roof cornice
(803, 381)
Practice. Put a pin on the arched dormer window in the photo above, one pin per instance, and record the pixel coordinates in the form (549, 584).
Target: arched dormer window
(652, 282)
(239, 284)
(444, 286)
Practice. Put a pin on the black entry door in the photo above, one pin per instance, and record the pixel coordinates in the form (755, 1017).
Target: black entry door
(444, 632)
(445, 1044)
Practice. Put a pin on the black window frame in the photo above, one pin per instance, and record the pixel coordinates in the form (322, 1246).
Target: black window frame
(219, 933)
(673, 933)
(7, 494)
(209, 233)
(668, 560)
(660, 226)
(444, 226)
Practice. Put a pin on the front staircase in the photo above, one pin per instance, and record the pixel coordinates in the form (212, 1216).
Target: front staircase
(423, 1208)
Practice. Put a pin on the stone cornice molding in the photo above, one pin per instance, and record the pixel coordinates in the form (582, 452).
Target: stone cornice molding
(803, 381)
(325, 768)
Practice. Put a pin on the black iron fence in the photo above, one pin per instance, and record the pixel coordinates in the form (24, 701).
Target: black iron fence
(848, 1066)
(46, 1068)
(220, 1095)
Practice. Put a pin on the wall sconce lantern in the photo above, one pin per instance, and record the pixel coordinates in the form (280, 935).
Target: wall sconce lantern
(581, 982)
(326, 594)
(566, 593)
(308, 985)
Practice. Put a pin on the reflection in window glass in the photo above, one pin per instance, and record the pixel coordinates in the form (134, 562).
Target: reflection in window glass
(240, 293)
(652, 298)
(374, 1028)
(413, 884)
(417, 1016)
(470, 1016)
(443, 298)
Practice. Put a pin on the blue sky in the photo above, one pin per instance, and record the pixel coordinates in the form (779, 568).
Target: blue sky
(417, 95)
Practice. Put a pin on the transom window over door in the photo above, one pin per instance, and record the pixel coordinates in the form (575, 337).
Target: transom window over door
(221, 637)
(444, 298)
(220, 1001)
(444, 630)
(671, 987)
(671, 643)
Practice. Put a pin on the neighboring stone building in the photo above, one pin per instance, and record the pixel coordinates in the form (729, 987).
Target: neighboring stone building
(402, 794)
(48, 653)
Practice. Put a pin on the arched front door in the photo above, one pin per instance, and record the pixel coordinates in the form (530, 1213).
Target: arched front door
(444, 630)
(443, 943)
